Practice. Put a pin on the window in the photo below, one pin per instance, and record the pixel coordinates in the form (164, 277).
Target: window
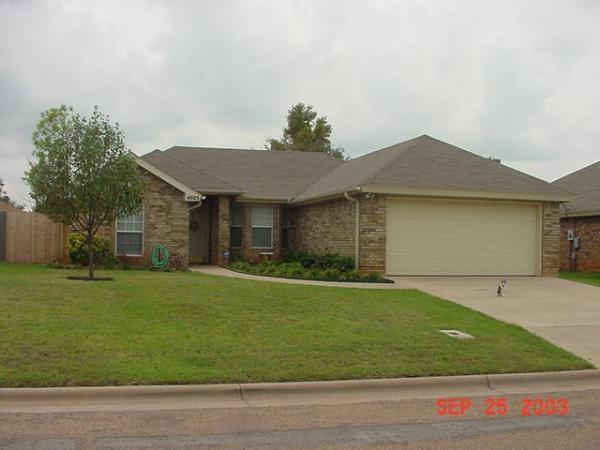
(130, 234)
(262, 227)
(235, 226)
(285, 225)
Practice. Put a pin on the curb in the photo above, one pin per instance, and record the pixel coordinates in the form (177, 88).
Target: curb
(347, 391)
(558, 381)
(289, 393)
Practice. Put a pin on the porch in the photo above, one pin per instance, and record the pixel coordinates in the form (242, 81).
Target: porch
(221, 228)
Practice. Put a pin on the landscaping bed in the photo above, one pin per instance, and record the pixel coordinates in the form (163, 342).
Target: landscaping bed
(310, 266)
(178, 328)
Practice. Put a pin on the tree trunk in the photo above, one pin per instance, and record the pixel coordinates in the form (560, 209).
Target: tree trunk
(90, 244)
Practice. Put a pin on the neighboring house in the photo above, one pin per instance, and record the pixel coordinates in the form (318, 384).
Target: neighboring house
(580, 220)
(421, 207)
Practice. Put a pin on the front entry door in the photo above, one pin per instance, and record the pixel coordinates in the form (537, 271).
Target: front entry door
(199, 249)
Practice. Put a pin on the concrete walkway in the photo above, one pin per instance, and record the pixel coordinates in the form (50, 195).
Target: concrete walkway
(563, 312)
(216, 270)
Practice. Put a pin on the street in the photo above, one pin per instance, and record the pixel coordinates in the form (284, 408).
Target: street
(380, 424)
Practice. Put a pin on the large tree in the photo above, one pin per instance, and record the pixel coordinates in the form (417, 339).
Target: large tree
(306, 132)
(5, 198)
(82, 174)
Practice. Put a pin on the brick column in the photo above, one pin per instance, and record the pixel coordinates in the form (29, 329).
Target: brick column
(246, 231)
(223, 230)
(277, 231)
(372, 234)
(550, 239)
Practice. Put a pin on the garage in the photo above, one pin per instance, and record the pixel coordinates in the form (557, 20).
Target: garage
(462, 237)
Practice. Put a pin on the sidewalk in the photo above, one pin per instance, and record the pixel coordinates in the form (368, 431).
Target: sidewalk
(216, 270)
(120, 398)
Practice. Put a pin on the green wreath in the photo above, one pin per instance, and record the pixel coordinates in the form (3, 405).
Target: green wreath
(160, 257)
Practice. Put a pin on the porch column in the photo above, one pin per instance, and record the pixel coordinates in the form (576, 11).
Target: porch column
(223, 231)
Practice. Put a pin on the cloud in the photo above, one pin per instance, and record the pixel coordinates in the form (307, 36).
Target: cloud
(516, 80)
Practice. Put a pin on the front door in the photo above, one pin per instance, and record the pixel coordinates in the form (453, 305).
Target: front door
(199, 249)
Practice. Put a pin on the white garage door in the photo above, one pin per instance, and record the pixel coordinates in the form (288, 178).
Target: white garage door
(461, 237)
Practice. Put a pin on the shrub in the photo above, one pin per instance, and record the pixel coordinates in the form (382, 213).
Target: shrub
(320, 260)
(241, 266)
(78, 251)
(332, 275)
(353, 275)
(292, 266)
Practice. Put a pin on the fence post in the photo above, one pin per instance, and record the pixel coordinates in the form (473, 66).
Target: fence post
(2, 235)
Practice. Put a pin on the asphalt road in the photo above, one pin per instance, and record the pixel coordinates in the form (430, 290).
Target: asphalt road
(382, 424)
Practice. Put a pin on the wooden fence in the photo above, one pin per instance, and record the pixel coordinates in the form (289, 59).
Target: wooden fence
(28, 237)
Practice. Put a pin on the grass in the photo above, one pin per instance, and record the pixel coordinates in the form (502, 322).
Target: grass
(587, 278)
(156, 328)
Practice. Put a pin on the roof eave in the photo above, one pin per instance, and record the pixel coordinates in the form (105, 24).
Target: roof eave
(580, 213)
(262, 199)
(322, 198)
(420, 192)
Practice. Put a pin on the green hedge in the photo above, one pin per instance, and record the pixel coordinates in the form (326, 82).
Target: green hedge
(322, 261)
(78, 251)
(297, 270)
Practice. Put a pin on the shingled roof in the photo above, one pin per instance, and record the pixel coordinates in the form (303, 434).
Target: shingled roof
(256, 174)
(585, 184)
(420, 166)
(427, 164)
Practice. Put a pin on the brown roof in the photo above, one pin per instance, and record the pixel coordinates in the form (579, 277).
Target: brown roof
(258, 174)
(429, 164)
(422, 163)
(189, 175)
(585, 184)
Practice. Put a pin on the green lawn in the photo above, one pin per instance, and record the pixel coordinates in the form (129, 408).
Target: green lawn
(587, 278)
(156, 328)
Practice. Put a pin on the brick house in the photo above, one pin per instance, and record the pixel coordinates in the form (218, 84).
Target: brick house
(419, 207)
(580, 220)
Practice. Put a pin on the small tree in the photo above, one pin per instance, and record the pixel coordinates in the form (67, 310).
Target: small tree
(305, 132)
(83, 175)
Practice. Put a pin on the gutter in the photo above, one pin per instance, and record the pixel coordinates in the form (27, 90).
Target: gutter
(357, 228)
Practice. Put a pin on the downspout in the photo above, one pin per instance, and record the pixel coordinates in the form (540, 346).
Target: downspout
(356, 230)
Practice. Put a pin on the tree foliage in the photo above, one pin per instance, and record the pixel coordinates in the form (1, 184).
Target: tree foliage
(82, 174)
(5, 198)
(306, 132)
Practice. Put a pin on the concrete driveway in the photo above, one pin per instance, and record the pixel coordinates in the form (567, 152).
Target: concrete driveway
(563, 312)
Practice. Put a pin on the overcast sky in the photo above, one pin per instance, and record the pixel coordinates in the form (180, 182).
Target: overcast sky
(518, 80)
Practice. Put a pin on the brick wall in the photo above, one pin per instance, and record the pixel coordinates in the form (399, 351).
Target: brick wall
(166, 222)
(550, 238)
(246, 250)
(330, 227)
(587, 257)
(372, 233)
(324, 227)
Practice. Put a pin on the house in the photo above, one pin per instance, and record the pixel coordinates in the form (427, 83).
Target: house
(420, 207)
(580, 220)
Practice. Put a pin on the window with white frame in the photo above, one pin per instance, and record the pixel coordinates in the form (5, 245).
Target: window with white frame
(235, 226)
(130, 234)
(262, 227)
